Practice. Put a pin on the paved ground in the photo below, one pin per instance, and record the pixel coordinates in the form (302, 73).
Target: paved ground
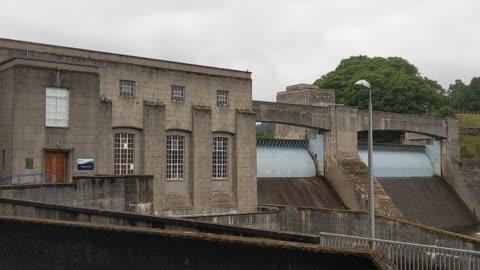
(310, 192)
(428, 200)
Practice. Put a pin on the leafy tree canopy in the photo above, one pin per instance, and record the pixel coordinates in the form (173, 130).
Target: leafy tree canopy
(465, 97)
(397, 85)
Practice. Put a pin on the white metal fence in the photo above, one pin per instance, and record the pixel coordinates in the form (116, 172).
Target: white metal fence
(408, 256)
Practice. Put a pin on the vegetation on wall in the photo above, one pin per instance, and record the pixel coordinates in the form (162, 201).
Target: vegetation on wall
(469, 147)
(265, 136)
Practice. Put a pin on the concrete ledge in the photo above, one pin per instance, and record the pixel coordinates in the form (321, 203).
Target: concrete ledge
(31, 209)
(28, 186)
(69, 245)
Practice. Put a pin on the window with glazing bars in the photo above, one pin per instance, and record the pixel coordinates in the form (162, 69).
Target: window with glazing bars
(178, 93)
(220, 158)
(222, 98)
(175, 156)
(127, 88)
(57, 107)
(124, 153)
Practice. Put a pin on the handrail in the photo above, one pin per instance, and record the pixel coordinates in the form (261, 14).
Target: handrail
(408, 255)
(473, 252)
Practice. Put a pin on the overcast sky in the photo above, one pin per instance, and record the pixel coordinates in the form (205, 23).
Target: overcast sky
(281, 42)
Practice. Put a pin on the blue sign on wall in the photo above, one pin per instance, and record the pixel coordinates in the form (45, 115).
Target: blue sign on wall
(85, 164)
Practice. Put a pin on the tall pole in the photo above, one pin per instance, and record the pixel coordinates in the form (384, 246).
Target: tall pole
(371, 198)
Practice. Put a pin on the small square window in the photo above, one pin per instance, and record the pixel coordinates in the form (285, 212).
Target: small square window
(127, 88)
(178, 93)
(222, 98)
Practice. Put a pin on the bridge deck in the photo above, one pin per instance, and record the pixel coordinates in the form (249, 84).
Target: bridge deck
(428, 200)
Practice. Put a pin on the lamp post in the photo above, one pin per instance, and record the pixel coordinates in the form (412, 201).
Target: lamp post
(371, 198)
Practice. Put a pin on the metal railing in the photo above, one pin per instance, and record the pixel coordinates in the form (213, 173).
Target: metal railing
(409, 256)
(26, 179)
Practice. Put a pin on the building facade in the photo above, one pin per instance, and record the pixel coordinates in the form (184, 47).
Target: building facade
(66, 111)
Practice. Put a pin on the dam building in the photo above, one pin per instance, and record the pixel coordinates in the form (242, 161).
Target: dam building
(317, 161)
(66, 112)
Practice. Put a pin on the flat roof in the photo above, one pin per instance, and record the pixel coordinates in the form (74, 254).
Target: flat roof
(122, 58)
(31, 58)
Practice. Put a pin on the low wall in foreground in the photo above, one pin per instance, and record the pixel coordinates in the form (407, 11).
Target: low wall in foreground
(311, 221)
(40, 244)
(131, 193)
(30, 209)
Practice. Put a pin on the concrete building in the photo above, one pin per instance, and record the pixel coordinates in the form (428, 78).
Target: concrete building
(67, 111)
(302, 94)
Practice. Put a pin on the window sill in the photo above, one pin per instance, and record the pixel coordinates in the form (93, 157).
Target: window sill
(57, 127)
(174, 180)
(127, 97)
(220, 179)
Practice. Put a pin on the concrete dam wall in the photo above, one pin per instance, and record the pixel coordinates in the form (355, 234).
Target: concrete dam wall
(287, 174)
(283, 159)
(403, 160)
(408, 174)
(308, 192)
(430, 201)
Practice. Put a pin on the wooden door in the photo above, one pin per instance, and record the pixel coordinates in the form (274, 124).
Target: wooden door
(56, 166)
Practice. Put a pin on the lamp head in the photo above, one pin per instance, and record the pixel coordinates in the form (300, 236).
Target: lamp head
(362, 84)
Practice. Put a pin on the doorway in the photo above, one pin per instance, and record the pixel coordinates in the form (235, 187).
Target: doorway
(56, 167)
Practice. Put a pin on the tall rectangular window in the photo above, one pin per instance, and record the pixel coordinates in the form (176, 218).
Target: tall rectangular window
(127, 88)
(57, 107)
(220, 158)
(175, 156)
(178, 93)
(222, 98)
(124, 153)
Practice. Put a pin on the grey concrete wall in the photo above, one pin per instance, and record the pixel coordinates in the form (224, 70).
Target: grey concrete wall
(343, 168)
(154, 155)
(31, 137)
(202, 159)
(307, 220)
(426, 125)
(245, 150)
(60, 245)
(63, 194)
(118, 193)
(30, 209)
(153, 80)
(292, 114)
(313, 221)
(131, 193)
(6, 117)
(302, 94)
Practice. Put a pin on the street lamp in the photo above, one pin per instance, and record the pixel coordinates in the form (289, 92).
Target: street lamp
(371, 198)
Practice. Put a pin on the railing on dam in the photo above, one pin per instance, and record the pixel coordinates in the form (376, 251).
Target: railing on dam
(408, 255)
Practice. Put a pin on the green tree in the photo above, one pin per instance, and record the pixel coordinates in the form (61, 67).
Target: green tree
(465, 97)
(397, 85)
(446, 111)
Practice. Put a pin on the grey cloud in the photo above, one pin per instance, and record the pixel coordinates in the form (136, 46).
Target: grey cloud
(281, 42)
